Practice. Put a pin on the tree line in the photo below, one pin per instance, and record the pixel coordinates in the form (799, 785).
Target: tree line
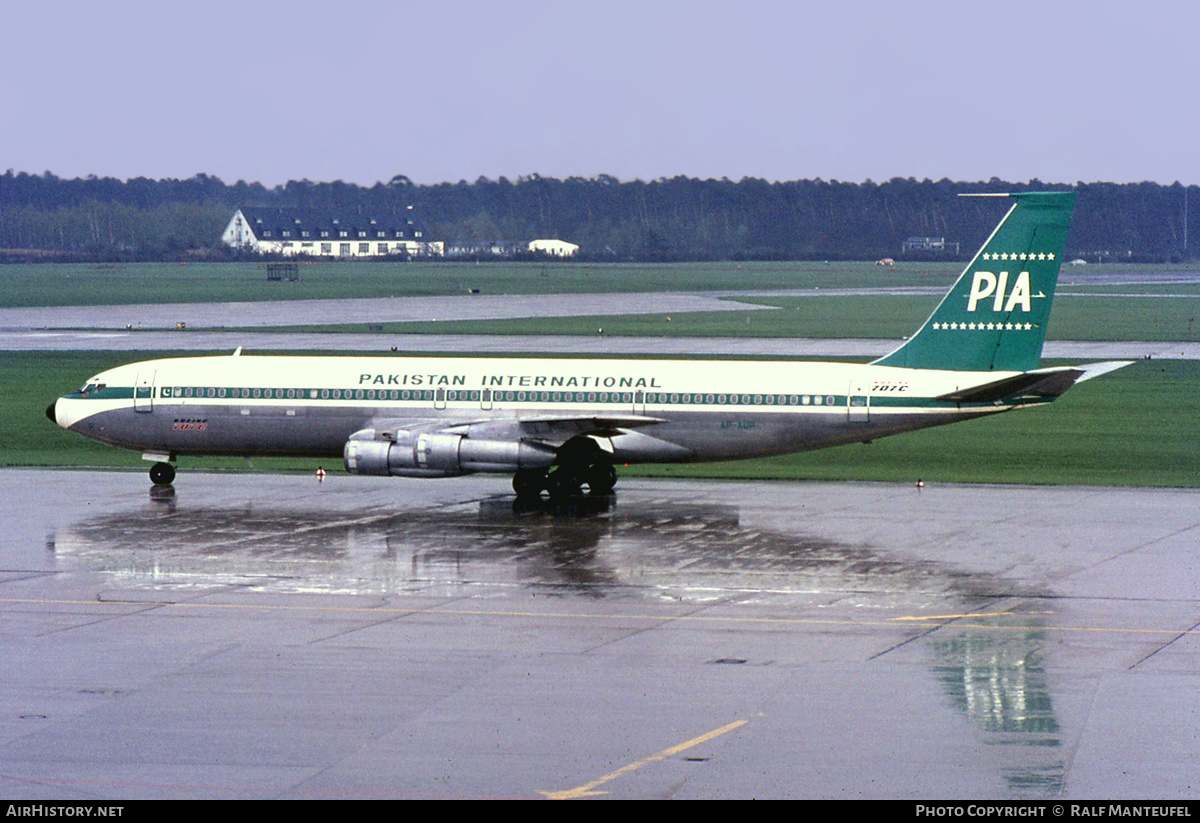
(669, 219)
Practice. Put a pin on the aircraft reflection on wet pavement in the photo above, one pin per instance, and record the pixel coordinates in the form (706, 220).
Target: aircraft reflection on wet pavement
(654, 549)
(592, 545)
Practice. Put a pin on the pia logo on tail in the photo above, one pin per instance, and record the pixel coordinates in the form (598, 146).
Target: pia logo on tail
(986, 284)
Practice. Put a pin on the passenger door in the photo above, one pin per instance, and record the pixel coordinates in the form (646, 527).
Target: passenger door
(143, 392)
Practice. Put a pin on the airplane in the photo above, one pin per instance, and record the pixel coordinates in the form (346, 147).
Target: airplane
(559, 425)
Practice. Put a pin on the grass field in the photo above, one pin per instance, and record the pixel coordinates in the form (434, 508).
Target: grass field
(1136, 427)
(78, 284)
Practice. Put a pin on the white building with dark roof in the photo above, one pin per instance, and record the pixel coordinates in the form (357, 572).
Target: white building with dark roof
(554, 248)
(329, 233)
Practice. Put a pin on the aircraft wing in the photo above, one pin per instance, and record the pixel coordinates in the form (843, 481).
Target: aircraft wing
(564, 427)
(1040, 383)
(553, 429)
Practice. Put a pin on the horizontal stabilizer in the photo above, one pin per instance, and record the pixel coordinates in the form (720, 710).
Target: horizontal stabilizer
(1041, 383)
(1096, 369)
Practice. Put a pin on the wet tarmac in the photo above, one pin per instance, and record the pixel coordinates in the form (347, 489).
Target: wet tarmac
(258, 636)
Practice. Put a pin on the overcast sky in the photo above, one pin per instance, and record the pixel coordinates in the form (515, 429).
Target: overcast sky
(449, 90)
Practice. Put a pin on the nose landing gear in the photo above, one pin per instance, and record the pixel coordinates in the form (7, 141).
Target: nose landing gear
(162, 474)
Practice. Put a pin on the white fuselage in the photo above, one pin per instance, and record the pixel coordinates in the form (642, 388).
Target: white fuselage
(638, 410)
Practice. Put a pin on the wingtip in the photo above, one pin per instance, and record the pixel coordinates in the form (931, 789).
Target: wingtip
(1091, 370)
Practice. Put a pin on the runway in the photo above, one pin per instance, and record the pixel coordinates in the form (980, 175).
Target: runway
(257, 636)
(266, 314)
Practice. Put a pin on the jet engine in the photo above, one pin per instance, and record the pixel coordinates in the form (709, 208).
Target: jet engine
(441, 454)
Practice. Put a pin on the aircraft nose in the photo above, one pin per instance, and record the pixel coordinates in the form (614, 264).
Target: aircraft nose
(50, 413)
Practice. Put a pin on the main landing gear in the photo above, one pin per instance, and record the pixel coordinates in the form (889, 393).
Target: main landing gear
(563, 481)
(579, 464)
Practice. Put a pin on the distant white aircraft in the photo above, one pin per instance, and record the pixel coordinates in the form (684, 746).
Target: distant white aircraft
(559, 425)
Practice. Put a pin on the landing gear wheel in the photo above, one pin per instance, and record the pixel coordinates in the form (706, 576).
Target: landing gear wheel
(529, 483)
(562, 483)
(600, 477)
(162, 474)
(581, 462)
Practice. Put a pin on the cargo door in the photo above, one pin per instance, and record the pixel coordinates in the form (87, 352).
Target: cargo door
(858, 403)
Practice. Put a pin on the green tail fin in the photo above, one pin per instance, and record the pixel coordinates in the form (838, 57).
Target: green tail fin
(994, 317)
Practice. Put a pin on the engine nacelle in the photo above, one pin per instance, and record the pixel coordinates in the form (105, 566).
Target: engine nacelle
(442, 454)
